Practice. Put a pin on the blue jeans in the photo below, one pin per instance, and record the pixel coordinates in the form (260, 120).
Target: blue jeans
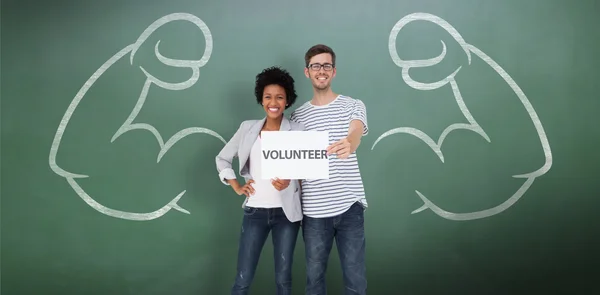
(349, 233)
(256, 225)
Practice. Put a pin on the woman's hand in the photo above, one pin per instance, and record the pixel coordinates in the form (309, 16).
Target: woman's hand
(280, 184)
(246, 189)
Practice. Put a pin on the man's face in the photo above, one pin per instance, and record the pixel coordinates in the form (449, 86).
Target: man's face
(320, 71)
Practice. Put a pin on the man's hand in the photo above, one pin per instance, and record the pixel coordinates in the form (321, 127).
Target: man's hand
(246, 189)
(348, 145)
(280, 184)
(341, 148)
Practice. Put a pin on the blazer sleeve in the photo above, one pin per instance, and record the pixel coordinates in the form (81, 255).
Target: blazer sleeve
(225, 157)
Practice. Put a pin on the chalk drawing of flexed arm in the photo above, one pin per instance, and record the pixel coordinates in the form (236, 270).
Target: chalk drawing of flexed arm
(472, 125)
(129, 123)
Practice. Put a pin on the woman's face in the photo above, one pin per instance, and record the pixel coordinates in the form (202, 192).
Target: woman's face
(274, 100)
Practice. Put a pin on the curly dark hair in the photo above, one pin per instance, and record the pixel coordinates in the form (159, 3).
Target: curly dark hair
(279, 76)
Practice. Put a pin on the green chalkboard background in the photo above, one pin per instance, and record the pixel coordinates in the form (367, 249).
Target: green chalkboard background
(511, 209)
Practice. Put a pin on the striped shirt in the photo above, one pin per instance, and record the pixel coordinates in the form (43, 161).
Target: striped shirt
(333, 196)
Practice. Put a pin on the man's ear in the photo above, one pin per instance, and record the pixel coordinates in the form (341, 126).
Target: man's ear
(306, 72)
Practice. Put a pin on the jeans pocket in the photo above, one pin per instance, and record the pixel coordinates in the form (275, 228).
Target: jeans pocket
(314, 224)
(355, 215)
(249, 211)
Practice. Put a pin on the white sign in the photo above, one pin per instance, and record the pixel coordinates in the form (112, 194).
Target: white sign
(294, 154)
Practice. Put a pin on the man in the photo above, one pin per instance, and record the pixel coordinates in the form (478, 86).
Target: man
(333, 208)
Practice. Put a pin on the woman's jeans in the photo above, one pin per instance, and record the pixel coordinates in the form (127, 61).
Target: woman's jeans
(256, 225)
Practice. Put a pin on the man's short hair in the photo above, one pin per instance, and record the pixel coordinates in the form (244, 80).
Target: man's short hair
(316, 50)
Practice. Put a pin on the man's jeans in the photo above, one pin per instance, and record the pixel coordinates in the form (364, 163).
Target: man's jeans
(256, 225)
(348, 231)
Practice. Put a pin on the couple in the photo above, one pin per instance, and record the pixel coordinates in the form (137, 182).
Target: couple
(325, 209)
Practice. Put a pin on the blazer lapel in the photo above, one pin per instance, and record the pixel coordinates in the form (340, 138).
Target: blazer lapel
(285, 125)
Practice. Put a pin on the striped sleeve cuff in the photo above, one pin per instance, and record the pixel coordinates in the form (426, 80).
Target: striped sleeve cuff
(360, 113)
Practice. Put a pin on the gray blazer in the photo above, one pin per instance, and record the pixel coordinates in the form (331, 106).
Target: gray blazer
(240, 145)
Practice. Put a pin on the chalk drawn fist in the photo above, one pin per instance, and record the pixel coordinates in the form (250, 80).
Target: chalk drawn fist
(470, 123)
(121, 124)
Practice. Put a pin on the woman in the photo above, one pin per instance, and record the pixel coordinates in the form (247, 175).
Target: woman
(270, 205)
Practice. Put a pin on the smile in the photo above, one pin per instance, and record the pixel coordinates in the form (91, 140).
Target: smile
(273, 110)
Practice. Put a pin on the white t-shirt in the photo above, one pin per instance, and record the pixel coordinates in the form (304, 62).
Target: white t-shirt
(265, 195)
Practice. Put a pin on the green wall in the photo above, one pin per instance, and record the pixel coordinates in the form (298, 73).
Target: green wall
(94, 204)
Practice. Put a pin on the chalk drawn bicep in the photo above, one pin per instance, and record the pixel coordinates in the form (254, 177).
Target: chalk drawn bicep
(130, 123)
(471, 123)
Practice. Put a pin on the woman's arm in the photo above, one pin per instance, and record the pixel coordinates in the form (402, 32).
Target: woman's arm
(225, 157)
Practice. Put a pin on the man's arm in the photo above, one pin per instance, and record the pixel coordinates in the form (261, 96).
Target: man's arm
(357, 129)
(355, 133)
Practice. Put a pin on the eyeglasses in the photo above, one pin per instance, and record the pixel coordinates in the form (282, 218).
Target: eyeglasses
(316, 67)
